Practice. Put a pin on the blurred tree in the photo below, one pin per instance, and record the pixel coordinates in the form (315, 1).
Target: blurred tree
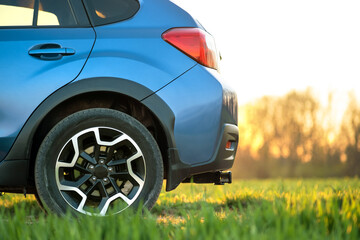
(294, 136)
(350, 130)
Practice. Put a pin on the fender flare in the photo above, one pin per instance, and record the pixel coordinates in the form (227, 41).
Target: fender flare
(98, 84)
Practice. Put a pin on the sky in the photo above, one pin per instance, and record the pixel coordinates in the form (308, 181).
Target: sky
(270, 47)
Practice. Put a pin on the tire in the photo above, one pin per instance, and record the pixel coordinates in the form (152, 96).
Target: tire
(98, 162)
(38, 200)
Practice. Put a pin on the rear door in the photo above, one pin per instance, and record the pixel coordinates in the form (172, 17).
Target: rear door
(44, 44)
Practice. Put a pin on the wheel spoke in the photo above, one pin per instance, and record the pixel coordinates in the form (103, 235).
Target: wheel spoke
(81, 168)
(116, 162)
(135, 156)
(80, 208)
(77, 183)
(91, 188)
(83, 179)
(109, 200)
(110, 153)
(102, 190)
(96, 152)
(131, 172)
(137, 179)
(114, 185)
(76, 154)
(103, 206)
(109, 144)
(121, 175)
(87, 157)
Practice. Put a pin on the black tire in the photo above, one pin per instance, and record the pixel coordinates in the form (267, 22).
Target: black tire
(130, 171)
(38, 200)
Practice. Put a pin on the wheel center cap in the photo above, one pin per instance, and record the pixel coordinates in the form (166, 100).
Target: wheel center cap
(100, 171)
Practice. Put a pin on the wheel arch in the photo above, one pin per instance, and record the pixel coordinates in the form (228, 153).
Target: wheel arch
(113, 93)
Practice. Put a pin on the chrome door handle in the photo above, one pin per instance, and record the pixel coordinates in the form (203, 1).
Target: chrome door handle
(51, 53)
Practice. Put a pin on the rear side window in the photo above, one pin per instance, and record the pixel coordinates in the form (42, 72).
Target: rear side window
(109, 11)
(17, 13)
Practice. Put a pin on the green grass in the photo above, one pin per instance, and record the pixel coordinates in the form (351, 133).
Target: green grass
(258, 209)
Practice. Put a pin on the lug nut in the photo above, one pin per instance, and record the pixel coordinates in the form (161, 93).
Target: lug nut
(94, 178)
(91, 167)
(110, 169)
(101, 161)
(105, 179)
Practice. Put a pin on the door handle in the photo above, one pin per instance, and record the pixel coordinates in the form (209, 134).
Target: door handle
(50, 52)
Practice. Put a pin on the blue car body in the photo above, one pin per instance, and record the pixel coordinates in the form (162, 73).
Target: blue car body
(196, 112)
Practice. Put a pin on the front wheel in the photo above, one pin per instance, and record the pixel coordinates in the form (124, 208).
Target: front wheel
(97, 162)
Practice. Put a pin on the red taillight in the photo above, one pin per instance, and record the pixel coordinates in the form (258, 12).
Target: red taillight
(194, 42)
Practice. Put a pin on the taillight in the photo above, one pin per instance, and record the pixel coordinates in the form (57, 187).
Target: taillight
(194, 42)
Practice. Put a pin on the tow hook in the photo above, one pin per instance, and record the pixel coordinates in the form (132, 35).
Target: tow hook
(225, 177)
(218, 178)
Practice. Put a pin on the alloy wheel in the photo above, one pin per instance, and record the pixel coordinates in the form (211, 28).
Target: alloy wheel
(99, 169)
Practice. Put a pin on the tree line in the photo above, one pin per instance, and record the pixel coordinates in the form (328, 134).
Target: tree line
(296, 136)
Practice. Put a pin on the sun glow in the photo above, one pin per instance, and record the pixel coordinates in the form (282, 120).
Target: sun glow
(22, 16)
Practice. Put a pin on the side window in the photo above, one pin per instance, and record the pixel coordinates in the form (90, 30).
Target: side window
(34, 13)
(16, 13)
(109, 11)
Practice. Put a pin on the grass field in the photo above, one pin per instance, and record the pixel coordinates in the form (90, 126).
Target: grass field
(258, 209)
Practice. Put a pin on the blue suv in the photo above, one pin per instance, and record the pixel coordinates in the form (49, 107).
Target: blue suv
(101, 100)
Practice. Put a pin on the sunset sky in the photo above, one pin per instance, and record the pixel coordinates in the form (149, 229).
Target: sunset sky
(270, 47)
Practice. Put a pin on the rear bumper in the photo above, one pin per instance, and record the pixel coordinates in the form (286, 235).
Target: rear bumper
(223, 159)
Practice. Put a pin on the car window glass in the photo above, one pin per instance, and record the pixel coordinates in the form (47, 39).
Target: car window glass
(37, 13)
(61, 9)
(109, 11)
(47, 19)
(19, 13)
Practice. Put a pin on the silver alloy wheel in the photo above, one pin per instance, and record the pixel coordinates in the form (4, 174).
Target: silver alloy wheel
(100, 167)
